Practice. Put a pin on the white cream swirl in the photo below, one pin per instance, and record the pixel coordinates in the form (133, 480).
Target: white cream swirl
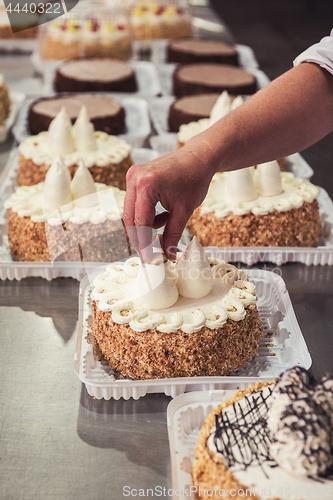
(110, 150)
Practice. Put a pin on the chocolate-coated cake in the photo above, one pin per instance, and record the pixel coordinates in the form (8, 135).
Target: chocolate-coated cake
(195, 50)
(95, 75)
(203, 78)
(190, 109)
(106, 114)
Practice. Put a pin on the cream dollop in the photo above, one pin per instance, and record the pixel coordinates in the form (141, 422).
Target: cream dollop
(240, 186)
(221, 108)
(156, 287)
(83, 187)
(84, 132)
(267, 179)
(194, 277)
(60, 139)
(57, 188)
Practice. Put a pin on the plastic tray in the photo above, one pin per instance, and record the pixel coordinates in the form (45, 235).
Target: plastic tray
(19, 45)
(246, 55)
(282, 347)
(165, 72)
(136, 116)
(10, 269)
(17, 99)
(146, 74)
(167, 142)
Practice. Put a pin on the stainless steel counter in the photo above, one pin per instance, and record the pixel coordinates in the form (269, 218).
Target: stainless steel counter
(57, 442)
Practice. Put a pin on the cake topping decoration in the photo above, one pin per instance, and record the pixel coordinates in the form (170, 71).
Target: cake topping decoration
(83, 187)
(84, 132)
(156, 287)
(194, 277)
(240, 186)
(57, 191)
(268, 179)
(60, 140)
(221, 108)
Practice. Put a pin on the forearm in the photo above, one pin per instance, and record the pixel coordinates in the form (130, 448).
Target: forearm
(291, 113)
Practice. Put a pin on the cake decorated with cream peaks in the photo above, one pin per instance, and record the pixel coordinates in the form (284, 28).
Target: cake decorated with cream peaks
(107, 157)
(64, 219)
(195, 317)
(259, 206)
(273, 440)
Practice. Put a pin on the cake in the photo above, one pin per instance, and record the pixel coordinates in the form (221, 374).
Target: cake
(106, 114)
(189, 109)
(95, 75)
(4, 101)
(201, 78)
(20, 26)
(200, 50)
(221, 105)
(271, 441)
(165, 320)
(107, 157)
(258, 207)
(66, 220)
(71, 36)
(153, 20)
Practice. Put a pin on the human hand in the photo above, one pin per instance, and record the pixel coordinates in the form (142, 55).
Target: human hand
(179, 181)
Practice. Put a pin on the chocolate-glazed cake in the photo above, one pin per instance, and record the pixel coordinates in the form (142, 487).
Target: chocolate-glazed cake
(190, 109)
(195, 50)
(192, 79)
(106, 114)
(95, 75)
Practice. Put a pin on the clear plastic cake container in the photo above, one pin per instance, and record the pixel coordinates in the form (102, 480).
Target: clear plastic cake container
(246, 56)
(165, 72)
(282, 347)
(146, 73)
(17, 99)
(137, 121)
(10, 269)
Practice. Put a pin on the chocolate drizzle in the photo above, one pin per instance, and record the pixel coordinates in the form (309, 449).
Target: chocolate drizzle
(242, 436)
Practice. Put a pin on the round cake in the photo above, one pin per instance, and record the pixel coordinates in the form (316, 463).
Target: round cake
(66, 220)
(198, 50)
(271, 440)
(204, 78)
(190, 109)
(192, 318)
(258, 207)
(95, 75)
(106, 114)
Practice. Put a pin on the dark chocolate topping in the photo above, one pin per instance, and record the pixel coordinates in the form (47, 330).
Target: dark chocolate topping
(215, 74)
(201, 46)
(96, 106)
(103, 70)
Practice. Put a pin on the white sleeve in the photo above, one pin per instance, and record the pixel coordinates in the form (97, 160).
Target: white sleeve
(320, 53)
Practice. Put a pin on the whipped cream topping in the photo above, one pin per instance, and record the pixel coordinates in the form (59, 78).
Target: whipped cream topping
(109, 150)
(156, 287)
(267, 178)
(84, 132)
(83, 187)
(28, 201)
(57, 190)
(240, 186)
(295, 192)
(60, 140)
(221, 108)
(194, 277)
(117, 291)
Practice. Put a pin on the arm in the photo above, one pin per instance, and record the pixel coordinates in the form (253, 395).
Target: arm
(291, 113)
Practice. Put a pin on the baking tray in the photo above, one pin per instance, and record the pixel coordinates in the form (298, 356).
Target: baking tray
(137, 120)
(320, 255)
(246, 55)
(17, 99)
(185, 416)
(10, 269)
(165, 72)
(282, 347)
(146, 74)
(167, 143)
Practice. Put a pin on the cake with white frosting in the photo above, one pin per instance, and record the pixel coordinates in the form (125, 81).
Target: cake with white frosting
(4, 101)
(196, 317)
(64, 219)
(258, 207)
(107, 157)
(269, 441)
